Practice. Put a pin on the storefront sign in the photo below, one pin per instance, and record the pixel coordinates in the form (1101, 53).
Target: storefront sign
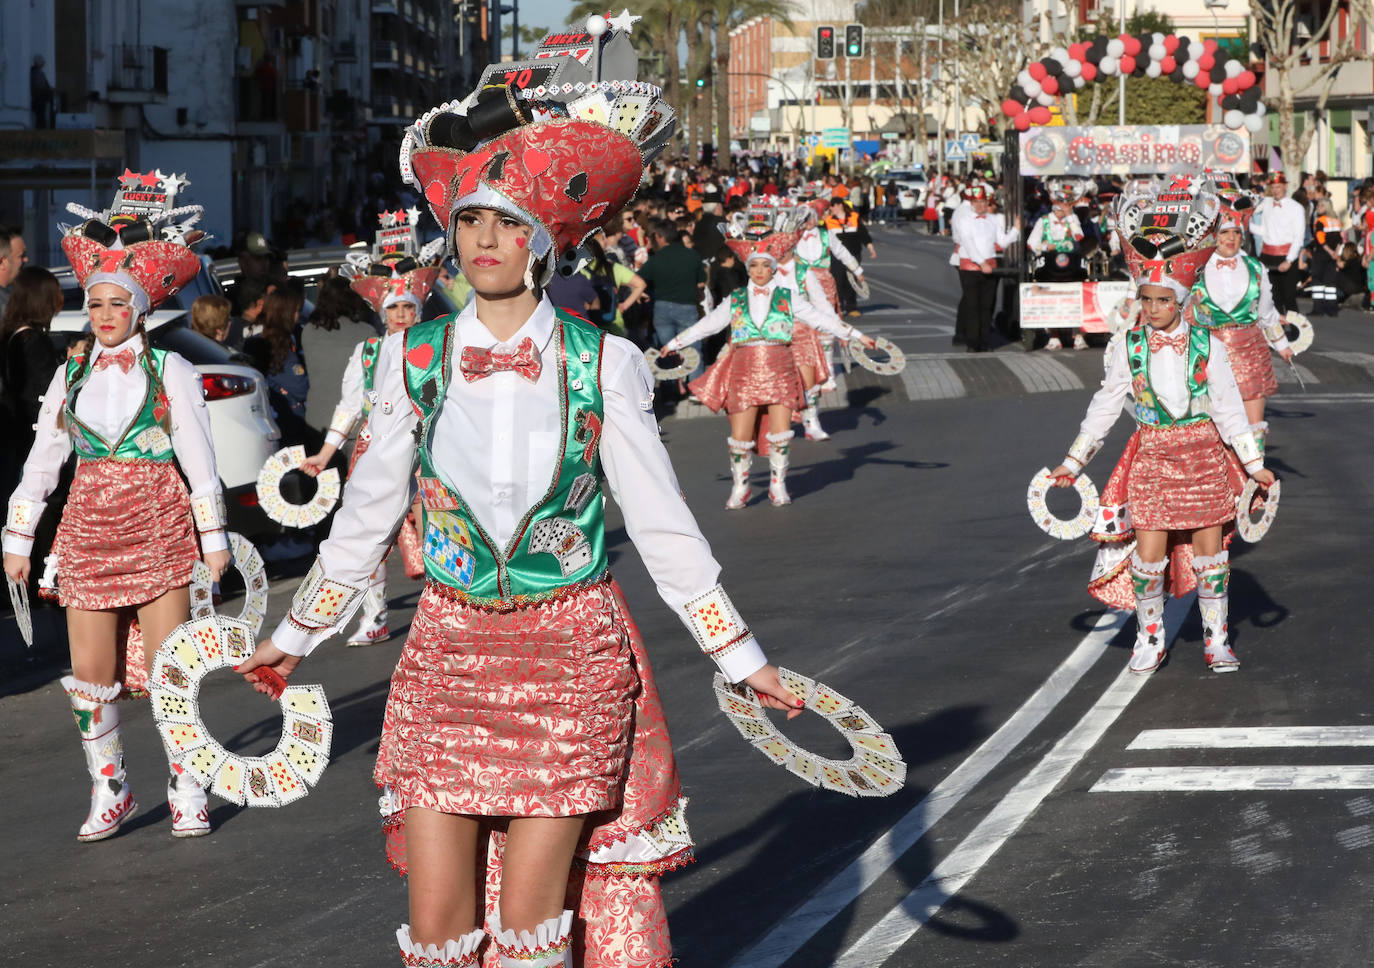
(1133, 149)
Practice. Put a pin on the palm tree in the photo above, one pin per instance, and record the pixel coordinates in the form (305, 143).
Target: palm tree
(725, 16)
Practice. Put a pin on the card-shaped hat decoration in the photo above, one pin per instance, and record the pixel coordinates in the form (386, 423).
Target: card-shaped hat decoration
(1065, 529)
(140, 243)
(1168, 230)
(559, 141)
(286, 774)
(1249, 527)
(398, 268)
(875, 769)
(254, 574)
(282, 511)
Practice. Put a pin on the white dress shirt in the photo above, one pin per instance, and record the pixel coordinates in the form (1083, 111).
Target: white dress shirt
(978, 238)
(350, 405)
(1281, 222)
(760, 301)
(497, 441)
(809, 248)
(1228, 287)
(1060, 229)
(108, 402)
(786, 278)
(1169, 380)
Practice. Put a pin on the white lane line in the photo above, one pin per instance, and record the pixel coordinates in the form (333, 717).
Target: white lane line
(1252, 737)
(897, 927)
(1207, 779)
(835, 895)
(920, 301)
(1296, 399)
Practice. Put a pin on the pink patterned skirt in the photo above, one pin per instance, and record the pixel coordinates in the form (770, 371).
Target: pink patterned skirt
(809, 351)
(1248, 352)
(126, 534)
(751, 375)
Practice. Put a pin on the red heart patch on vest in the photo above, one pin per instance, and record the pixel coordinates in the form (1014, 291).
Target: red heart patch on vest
(107, 770)
(1107, 515)
(536, 161)
(420, 356)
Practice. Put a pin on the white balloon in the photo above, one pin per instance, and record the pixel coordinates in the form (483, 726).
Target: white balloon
(1115, 48)
(1254, 122)
(1045, 99)
(1032, 88)
(1261, 109)
(1233, 68)
(1060, 53)
(1153, 70)
(1157, 51)
(1107, 65)
(1214, 90)
(1157, 37)
(1073, 68)
(1233, 119)
(1024, 79)
(1190, 69)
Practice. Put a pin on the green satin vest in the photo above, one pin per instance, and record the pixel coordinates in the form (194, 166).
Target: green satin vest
(561, 541)
(776, 326)
(372, 348)
(145, 438)
(1149, 411)
(822, 262)
(1246, 312)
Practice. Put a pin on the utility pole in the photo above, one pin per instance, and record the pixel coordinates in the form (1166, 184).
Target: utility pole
(1121, 75)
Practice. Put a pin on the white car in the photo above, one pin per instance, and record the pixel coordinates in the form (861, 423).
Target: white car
(911, 188)
(241, 423)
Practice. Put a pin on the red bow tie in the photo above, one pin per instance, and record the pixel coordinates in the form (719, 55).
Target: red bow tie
(124, 359)
(1178, 342)
(477, 363)
(761, 292)
(1227, 263)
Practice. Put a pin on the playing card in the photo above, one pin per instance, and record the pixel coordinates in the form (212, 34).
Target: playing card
(205, 761)
(168, 707)
(205, 635)
(308, 763)
(804, 765)
(180, 647)
(752, 729)
(182, 738)
(308, 701)
(290, 516)
(229, 778)
(19, 598)
(257, 602)
(733, 705)
(882, 781)
(827, 701)
(287, 784)
(832, 777)
(258, 790)
(775, 748)
(880, 743)
(168, 675)
(238, 639)
(315, 734)
(877, 761)
(854, 719)
(797, 684)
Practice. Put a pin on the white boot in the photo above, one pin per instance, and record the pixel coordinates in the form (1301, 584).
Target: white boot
(811, 421)
(779, 446)
(97, 717)
(372, 627)
(1079, 343)
(1147, 578)
(741, 459)
(1213, 600)
(187, 801)
(461, 953)
(548, 946)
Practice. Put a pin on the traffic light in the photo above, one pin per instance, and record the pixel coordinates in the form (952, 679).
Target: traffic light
(825, 43)
(854, 40)
(701, 82)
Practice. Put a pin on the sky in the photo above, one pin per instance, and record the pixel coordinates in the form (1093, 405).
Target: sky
(544, 13)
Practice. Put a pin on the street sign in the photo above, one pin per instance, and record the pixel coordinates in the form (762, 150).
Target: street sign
(954, 151)
(813, 139)
(835, 137)
(890, 136)
(970, 143)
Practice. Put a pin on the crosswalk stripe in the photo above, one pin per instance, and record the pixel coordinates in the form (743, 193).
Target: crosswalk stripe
(930, 380)
(1196, 779)
(1039, 373)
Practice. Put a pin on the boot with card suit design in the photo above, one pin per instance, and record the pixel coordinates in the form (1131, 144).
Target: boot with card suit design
(779, 449)
(461, 953)
(549, 945)
(372, 627)
(1213, 600)
(741, 459)
(187, 800)
(811, 421)
(97, 717)
(1147, 577)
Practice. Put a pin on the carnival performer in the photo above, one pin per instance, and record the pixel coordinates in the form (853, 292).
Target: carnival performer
(756, 378)
(1232, 299)
(126, 544)
(978, 238)
(395, 279)
(1169, 506)
(1057, 237)
(1280, 228)
(523, 733)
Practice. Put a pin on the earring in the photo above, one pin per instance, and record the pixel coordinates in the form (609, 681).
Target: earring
(529, 273)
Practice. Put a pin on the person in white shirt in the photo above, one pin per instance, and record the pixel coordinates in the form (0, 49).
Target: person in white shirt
(1169, 506)
(978, 238)
(523, 702)
(127, 543)
(811, 354)
(1057, 238)
(1280, 229)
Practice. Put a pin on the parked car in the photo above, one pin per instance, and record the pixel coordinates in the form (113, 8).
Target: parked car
(241, 423)
(911, 189)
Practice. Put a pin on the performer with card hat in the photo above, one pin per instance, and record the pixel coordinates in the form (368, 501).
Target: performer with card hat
(1280, 228)
(395, 279)
(756, 377)
(524, 745)
(136, 417)
(1167, 513)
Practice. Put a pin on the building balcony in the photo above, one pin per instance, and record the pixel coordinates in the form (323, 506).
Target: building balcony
(303, 108)
(346, 52)
(386, 56)
(138, 75)
(1353, 80)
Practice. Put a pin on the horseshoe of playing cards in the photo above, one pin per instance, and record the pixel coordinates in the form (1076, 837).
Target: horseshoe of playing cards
(255, 586)
(282, 511)
(1065, 529)
(895, 362)
(688, 356)
(1305, 331)
(19, 598)
(875, 770)
(1250, 528)
(282, 776)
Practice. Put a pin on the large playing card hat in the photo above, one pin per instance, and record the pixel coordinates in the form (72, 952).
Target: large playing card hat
(765, 231)
(1168, 231)
(141, 243)
(559, 141)
(397, 269)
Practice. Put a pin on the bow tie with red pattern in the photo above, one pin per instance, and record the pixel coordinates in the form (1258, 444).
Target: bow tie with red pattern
(124, 359)
(478, 363)
(1178, 342)
(761, 292)
(1227, 263)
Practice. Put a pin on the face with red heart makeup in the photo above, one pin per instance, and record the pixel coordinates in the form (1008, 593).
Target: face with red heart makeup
(111, 313)
(493, 249)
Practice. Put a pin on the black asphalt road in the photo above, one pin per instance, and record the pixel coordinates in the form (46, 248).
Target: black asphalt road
(908, 576)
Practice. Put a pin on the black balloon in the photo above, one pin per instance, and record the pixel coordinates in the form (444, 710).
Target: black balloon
(1178, 76)
(1231, 102)
(1052, 67)
(1217, 74)
(1018, 93)
(1257, 50)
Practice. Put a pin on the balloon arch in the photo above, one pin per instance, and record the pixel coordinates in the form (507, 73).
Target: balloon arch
(1181, 59)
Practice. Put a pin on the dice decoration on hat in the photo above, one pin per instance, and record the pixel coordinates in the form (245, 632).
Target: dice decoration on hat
(1168, 229)
(767, 230)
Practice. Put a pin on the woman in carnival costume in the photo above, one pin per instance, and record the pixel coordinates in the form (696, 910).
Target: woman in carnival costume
(127, 540)
(757, 378)
(1169, 507)
(524, 741)
(395, 280)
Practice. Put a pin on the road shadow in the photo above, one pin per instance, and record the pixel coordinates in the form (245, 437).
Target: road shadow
(791, 853)
(810, 478)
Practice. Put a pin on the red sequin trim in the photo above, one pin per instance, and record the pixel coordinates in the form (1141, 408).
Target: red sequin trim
(519, 601)
(654, 868)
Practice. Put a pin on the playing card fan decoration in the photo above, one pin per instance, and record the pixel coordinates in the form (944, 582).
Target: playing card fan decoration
(282, 511)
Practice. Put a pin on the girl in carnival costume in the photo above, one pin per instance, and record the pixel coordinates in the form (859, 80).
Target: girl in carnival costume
(524, 745)
(1169, 507)
(395, 280)
(756, 378)
(127, 540)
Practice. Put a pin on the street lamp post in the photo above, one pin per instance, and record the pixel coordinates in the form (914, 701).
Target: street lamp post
(786, 89)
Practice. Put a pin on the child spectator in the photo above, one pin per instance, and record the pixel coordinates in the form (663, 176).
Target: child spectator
(210, 317)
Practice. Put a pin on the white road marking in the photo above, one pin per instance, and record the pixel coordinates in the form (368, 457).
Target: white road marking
(898, 926)
(1298, 399)
(1253, 737)
(920, 301)
(790, 934)
(1206, 779)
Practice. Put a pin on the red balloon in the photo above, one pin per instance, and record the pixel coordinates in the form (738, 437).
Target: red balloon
(1229, 86)
(1168, 65)
(1127, 63)
(1039, 114)
(1022, 122)
(1012, 107)
(1206, 62)
(1076, 51)
(1050, 85)
(1203, 80)
(1089, 72)
(1132, 45)
(1209, 45)
(1036, 70)
(1170, 45)
(1245, 80)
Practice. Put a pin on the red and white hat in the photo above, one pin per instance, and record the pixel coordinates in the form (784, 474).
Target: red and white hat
(559, 142)
(141, 243)
(1168, 231)
(766, 231)
(398, 269)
